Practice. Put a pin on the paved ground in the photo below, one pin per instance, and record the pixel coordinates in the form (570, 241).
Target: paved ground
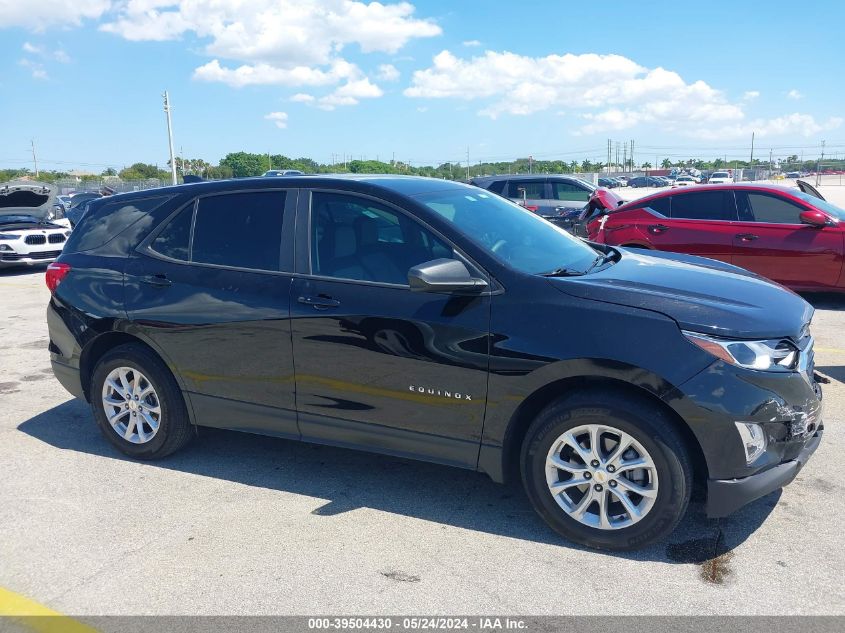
(239, 524)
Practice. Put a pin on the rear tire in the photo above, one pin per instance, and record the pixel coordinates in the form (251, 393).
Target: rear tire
(138, 404)
(593, 513)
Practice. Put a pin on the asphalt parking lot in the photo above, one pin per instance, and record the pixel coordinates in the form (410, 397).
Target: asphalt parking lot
(240, 524)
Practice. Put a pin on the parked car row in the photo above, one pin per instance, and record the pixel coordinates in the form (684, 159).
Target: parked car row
(559, 199)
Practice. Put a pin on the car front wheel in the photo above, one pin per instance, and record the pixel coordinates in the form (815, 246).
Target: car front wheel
(138, 404)
(607, 470)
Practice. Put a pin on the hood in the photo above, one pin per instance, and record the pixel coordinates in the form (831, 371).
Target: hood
(701, 295)
(603, 198)
(809, 189)
(25, 197)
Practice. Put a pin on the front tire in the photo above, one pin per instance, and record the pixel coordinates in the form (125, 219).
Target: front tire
(606, 470)
(138, 404)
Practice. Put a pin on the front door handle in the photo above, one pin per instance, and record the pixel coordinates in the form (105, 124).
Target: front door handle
(161, 281)
(746, 237)
(657, 228)
(319, 302)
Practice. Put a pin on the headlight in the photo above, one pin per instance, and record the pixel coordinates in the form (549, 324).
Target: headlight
(772, 355)
(753, 440)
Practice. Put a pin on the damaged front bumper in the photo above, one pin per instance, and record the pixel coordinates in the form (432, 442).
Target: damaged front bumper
(726, 496)
(787, 408)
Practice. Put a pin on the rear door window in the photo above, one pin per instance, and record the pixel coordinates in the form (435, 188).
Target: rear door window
(660, 205)
(704, 205)
(174, 241)
(534, 189)
(242, 230)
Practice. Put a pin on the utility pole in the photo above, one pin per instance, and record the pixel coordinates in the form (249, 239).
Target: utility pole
(625, 157)
(818, 167)
(467, 162)
(751, 162)
(632, 156)
(34, 158)
(170, 137)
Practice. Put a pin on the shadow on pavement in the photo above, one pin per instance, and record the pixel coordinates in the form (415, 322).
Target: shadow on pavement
(19, 271)
(834, 372)
(825, 300)
(353, 479)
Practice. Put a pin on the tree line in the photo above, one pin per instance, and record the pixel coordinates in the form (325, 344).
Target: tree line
(246, 164)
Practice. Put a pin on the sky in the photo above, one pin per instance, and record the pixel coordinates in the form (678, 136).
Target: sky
(426, 81)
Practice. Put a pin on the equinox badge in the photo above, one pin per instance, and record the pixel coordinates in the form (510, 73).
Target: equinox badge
(440, 392)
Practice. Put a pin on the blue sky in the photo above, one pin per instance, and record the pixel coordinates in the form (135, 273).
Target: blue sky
(423, 80)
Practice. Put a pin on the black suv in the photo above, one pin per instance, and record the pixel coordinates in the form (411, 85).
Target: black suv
(433, 320)
(559, 199)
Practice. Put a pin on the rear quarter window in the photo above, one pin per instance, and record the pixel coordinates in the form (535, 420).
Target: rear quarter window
(104, 221)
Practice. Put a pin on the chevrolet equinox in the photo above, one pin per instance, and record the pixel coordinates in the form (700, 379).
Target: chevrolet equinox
(434, 320)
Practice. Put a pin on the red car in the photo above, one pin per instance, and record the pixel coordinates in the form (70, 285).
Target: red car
(793, 237)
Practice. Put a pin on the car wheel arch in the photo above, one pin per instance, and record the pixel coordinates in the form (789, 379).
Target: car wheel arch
(535, 402)
(95, 349)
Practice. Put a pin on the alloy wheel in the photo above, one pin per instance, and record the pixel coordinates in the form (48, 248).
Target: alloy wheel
(131, 405)
(601, 476)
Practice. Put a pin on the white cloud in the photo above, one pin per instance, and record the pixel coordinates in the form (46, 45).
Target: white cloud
(471, 43)
(284, 42)
(61, 56)
(608, 92)
(36, 68)
(349, 94)
(301, 97)
(31, 48)
(280, 119)
(42, 14)
(267, 74)
(794, 94)
(790, 124)
(388, 72)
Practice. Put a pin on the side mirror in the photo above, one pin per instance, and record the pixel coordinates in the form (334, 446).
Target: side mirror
(443, 275)
(814, 218)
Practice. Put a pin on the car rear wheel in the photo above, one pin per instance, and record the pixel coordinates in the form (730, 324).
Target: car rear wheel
(606, 470)
(137, 403)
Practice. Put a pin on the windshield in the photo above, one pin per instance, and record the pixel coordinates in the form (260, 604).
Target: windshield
(513, 235)
(720, 174)
(19, 219)
(824, 205)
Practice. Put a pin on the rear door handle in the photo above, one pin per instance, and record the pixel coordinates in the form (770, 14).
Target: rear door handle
(156, 280)
(319, 302)
(657, 228)
(746, 237)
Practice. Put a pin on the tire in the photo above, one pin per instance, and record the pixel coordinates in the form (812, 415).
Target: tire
(173, 428)
(669, 473)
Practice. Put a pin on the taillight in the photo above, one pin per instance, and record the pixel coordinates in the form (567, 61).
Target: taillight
(55, 273)
(533, 208)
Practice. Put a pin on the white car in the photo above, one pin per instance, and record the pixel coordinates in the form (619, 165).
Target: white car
(27, 235)
(685, 181)
(720, 178)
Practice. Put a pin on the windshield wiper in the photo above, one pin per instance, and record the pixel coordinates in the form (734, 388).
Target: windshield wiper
(563, 272)
(601, 260)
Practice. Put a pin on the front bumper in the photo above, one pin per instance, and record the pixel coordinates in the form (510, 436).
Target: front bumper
(30, 257)
(726, 496)
(787, 407)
